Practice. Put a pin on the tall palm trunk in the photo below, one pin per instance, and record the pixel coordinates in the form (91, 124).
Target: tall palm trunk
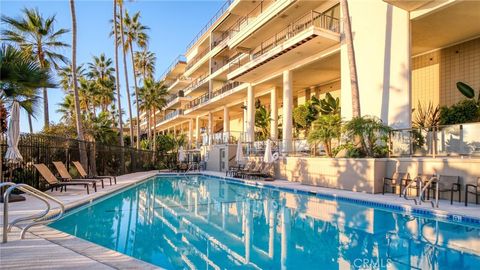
(154, 130)
(41, 60)
(148, 125)
(117, 80)
(136, 97)
(351, 59)
(30, 123)
(82, 148)
(126, 74)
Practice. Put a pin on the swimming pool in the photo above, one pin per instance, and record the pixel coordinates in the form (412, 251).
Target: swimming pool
(203, 222)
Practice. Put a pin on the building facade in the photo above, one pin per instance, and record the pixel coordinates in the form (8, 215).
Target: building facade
(281, 53)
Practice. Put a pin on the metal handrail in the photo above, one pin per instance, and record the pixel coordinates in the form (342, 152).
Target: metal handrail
(405, 189)
(421, 198)
(38, 219)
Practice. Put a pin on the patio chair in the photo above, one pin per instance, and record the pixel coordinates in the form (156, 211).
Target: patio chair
(53, 182)
(65, 175)
(398, 179)
(84, 174)
(472, 189)
(446, 183)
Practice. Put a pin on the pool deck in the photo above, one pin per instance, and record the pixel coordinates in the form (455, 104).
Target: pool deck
(47, 248)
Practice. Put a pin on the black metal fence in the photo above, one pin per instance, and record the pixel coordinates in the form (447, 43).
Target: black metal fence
(102, 159)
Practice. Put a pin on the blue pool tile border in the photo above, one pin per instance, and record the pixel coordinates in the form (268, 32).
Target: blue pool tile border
(428, 213)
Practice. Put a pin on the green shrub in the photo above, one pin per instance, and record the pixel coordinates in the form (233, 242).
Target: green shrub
(370, 133)
(352, 151)
(465, 111)
(325, 129)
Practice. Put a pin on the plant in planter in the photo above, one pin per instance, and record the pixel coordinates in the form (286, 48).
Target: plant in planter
(465, 111)
(370, 134)
(324, 130)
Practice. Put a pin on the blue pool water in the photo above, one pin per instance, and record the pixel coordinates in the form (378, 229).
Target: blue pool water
(207, 223)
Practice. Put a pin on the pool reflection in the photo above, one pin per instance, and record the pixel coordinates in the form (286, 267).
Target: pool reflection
(206, 223)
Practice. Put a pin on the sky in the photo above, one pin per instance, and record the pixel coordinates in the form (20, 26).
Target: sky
(173, 24)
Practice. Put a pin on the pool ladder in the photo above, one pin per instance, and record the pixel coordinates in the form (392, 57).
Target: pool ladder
(422, 187)
(37, 219)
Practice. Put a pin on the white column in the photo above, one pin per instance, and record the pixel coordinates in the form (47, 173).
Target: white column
(271, 231)
(274, 114)
(175, 131)
(248, 230)
(384, 81)
(287, 126)
(226, 120)
(210, 128)
(250, 114)
(285, 231)
(197, 128)
(190, 131)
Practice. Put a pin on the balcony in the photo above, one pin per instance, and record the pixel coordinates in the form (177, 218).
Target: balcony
(277, 52)
(175, 100)
(196, 59)
(173, 69)
(244, 21)
(212, 100)
(169, 117)
(215, 17)
(226, 87)
(196, 83)
(197, 101)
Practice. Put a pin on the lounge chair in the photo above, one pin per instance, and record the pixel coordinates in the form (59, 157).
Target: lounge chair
(264, 172)
(53, 182)
(237, 172)
(231, 171)
(65, 175)
(257, 169)
(84, 174)
(446, 183)
(398, 179)
(472, 189)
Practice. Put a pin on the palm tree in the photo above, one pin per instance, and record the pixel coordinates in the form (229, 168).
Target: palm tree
(66, 76)
(67, 109)
(144, 62)
(101, 72)
(78, 119)
(21, 77)
(118, 23)
(351, 59)
(117, 80)
(135, 33)
(151, 98)
(37, 37)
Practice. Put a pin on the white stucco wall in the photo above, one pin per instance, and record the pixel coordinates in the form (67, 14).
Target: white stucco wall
(381, 36)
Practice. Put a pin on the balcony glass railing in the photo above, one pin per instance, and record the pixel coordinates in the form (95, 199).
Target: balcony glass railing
(226, 87)
(200, 80)
(170, 115)
(197, 58)
(306, 21)
(197, 101)
(179, 59)
(451, 140)
(249, 18)
(217, 15)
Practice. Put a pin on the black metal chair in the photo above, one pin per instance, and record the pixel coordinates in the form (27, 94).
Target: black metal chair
(446, 183)
(472, 189)
(398, 179)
